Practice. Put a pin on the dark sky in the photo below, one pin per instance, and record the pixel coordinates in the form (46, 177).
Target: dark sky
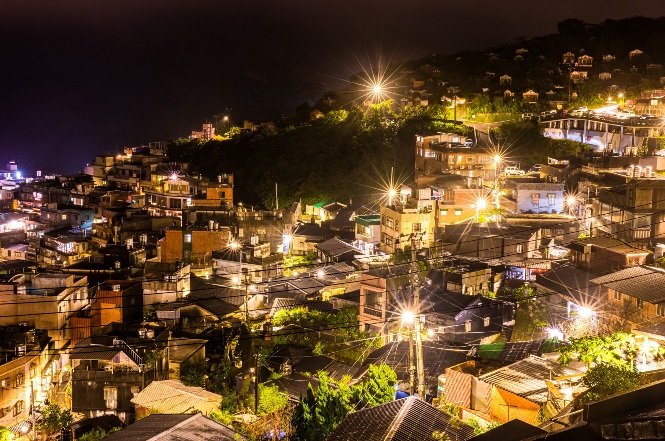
(81, 77)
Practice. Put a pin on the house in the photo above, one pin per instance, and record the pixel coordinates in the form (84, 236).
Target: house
(640, 288)
(530, 96)
(521, 51)
(116, 301)
(25, 359)
(505, 79)
(568, 58)
(491, 240)
(165, 282)
(176, 428)
(173, 397)
(528, 195)
(45, 301)
(408, 419)
(508, 94)
(585, 61)
(608, 58)
(517, 391)
(634, 53)
(193, 245)
(107, 372)
(411, 223)
(603, 254)
(335, 250)
(578, 76)
(635, 414)
(367, 233)
(604, 76)
(513, 430)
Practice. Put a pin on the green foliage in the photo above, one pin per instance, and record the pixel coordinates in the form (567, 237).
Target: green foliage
(221, 379)
(440, 436)
(479, 429)
(95, 434)
(6, 434)
(54, 418)
(222, 416)
(379, 385)
(620, 349)
(271, 399)
(607, 379)
(192, 372)
(323, 408)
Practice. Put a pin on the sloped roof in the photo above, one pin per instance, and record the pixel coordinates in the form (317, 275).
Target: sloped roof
(336, 248)
(311, 305)
(408, 419)
(94, 352)
(513, 430)
(572, 283)
(526, 378)
(176, 428)
(171, 396)
(642, 282)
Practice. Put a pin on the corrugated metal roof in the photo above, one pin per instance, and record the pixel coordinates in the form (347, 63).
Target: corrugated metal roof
(526, 378)
(642, 282)
(176, 428)
(408, 419)
(171, 396)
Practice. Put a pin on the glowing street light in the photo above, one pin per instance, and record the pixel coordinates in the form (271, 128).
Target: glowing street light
(408, 317)
(320, 273)
(391, 195)
(584, 312)
(377, 89)
(174, 176)
(481, 204)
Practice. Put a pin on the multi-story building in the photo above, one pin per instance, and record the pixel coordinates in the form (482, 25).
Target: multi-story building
(446, 153)
(409, 222)
(45, 301)
(531, 195)
(26, 371)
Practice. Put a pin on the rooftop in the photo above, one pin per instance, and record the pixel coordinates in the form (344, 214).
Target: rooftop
(642, 282)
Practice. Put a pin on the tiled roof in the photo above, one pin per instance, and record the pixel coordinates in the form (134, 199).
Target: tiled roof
(526, 378)
(642, 282)
(572, 283)
(311, 305)
(337, 248)
(408, 419)
(176, 428)
(94, 352)
(171, 396)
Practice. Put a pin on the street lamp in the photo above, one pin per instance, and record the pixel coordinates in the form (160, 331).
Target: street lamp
(391, 195)
(481, 204)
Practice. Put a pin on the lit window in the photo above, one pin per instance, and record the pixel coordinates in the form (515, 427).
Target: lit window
(467, 326)
(639, 303)
(617, 296)
(188, 238)
(551, 198)
(19, 380)
(660, 309)
(18, 408)
(458, 211)
(519, 248)
(444, 212)
(535, 199)
(417, 226)
(111, 397)
(486, 321)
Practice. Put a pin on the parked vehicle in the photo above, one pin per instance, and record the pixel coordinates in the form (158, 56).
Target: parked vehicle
(511, 170)
(536, 167)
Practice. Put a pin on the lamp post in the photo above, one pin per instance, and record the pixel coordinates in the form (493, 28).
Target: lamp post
(235, 245)
(481, 204)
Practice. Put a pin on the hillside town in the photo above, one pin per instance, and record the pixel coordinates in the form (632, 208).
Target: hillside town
(485, 296)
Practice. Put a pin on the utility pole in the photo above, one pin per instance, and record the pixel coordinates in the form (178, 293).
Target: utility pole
(412, 366)
(32, 408)
(256, 384)
(276, 198)
(419, 345)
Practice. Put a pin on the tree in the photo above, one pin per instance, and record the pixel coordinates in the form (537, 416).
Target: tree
(379, 386)
(54, 418)
(95, 434)
(192, 372)
(271, 399)
(619, 349)
(607, 379)
(6, 434)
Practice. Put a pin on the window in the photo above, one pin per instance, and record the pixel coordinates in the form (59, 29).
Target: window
(617, 295)
(458, 211)
(417, 226)
(111, 397)
(188, 238)
(486, 321)
(390, 222)
(175, 203)
(551, 199)
(33, 370)
(19, 380)
(639, 303)
(467, 326)
(444, 212)
(373, 298)
(19, 407)
(470, 159)
(535, 199)
(519, 248)
(660, 309)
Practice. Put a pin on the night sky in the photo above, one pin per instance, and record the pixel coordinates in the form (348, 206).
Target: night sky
(83, 77)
